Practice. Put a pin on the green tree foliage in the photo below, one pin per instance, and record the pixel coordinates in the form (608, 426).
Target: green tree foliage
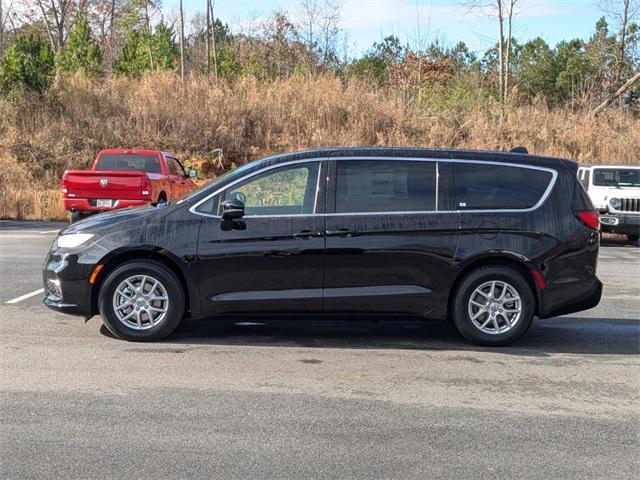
(134, 57)
(82, 52)
(376, 62)
(133, 60)
(28, 64)
(164, 47)
(536, 70)
(574, 70)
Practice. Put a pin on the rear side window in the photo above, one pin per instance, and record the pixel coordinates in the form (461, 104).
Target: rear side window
(481, 186)
(385, 186)
(129, 162)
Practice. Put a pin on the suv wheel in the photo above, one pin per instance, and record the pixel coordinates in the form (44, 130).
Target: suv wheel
(141, 301)
(493, 306)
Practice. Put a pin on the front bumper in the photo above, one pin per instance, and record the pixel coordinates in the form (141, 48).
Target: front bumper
(66, 285)
(618, 222)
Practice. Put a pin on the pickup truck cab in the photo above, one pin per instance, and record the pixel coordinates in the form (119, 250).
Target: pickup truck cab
(123, 178)
(615, 193)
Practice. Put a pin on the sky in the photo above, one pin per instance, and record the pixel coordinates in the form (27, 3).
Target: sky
(422, 21)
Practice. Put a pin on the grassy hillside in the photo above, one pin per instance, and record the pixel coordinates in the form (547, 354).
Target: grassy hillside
(42, 135)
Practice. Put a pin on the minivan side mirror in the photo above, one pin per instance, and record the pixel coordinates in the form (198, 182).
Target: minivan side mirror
(193, 174)
(232, 209)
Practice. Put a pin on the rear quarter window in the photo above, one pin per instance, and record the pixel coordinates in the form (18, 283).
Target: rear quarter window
(492, 187)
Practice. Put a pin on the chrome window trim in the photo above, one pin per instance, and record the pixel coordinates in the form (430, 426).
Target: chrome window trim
(543, 198)
(258, 172)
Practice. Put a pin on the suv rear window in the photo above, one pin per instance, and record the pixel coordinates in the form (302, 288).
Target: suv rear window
(480, 186)
(129, 162)
(385, 186)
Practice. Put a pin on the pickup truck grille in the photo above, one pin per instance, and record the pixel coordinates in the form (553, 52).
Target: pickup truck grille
(629, 205)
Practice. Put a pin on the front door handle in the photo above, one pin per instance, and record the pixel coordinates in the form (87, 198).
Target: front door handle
(342, 232)
(305, 234)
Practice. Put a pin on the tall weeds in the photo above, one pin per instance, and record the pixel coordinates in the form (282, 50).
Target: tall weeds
(41, 136)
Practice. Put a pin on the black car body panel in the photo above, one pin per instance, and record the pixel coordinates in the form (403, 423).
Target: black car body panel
(345, 262)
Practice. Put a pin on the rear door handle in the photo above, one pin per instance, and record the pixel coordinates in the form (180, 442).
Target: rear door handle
(342, 232)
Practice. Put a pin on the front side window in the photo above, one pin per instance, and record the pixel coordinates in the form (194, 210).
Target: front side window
(178, 167)
(129, 162)
(385, 186)
(289, 190)
(611, 177)
(171, 165)
(483, 186)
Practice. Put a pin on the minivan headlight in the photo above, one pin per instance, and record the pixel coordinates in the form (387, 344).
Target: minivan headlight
(73, 240)
(614, 202)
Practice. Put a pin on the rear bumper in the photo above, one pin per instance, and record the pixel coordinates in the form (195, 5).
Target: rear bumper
(580, 295)
(89, 204)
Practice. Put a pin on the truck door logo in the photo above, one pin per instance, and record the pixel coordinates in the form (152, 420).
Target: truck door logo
(104, 182)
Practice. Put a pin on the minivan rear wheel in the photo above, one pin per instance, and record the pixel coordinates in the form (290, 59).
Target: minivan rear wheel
(493, 306)
(141, 301)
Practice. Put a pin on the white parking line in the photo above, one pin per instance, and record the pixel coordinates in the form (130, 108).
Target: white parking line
(25, 296)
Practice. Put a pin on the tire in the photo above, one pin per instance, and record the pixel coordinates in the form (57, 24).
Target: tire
(75, 216)
(633, 237)
(154, 318)
(476, 286)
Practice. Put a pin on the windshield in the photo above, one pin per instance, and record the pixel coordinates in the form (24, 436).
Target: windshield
(611, 177)
(129, 162)
(227, 175)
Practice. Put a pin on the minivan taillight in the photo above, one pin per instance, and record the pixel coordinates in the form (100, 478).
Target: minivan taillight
(589, 218)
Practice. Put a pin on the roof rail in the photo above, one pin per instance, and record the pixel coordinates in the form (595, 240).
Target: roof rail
(519, 149)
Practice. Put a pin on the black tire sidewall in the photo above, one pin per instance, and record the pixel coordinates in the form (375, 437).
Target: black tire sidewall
(485, 274)
(142, 267)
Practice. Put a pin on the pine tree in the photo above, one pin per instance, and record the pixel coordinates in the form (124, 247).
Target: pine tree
(82, 52)
(164, 47)
(133, 60)
(28, 64)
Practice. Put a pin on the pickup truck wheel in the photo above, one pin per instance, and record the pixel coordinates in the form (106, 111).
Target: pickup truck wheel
(75, 216)
(141, 301)
(493, 306)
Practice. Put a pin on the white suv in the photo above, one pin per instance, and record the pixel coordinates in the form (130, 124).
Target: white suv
(615, 193)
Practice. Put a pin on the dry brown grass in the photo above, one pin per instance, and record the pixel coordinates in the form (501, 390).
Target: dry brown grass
(42, 136)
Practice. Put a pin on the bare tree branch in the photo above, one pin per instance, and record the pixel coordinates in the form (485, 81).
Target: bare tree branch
(628, 84)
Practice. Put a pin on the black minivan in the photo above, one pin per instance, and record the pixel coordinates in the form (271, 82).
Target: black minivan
(486, 239)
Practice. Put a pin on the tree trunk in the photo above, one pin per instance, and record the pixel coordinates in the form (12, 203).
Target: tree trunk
(208, 37)
(623, 40)
(501, 58)
(1, 30)
(213, 42)
(46, 21)
(181, 42)
(146, 15)
(628, 84)
(112, 21)
(508, 52)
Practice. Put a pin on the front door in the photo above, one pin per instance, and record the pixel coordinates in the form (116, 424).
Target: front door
(272, 259)
(389, 249)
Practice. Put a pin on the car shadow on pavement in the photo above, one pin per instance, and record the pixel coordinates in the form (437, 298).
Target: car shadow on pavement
(579, 335)
(609, 240)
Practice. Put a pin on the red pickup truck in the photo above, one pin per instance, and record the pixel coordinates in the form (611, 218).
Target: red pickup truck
(124, 178)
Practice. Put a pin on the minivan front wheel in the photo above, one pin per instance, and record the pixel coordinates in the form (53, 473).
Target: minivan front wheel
(493, 306)
(141, 301)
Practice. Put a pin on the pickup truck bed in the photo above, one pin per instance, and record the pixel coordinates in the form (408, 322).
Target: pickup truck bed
(124, 178)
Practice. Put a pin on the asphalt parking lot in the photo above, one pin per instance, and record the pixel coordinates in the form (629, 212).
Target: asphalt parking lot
(316, 399)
